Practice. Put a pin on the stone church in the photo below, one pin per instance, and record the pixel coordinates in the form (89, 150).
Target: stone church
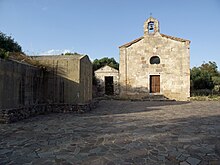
(155, 64)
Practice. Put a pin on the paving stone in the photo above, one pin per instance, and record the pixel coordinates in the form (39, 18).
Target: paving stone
(203, 162)
(182, 157)
(211, 156)
(161, 158)
(175, 153)
(184, 163)
(5, 151)
(118, 132)
(193, 161)
(214, 162)
(161, 148)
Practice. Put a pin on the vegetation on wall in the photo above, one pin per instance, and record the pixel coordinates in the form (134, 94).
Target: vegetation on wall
(7, 44)
(3, 54)
(69, 54)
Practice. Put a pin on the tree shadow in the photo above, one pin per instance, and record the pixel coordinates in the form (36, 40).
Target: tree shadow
(113, 107)
(170, 142)
(168, 135)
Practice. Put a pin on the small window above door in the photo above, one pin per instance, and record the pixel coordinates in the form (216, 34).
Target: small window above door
(155, 60)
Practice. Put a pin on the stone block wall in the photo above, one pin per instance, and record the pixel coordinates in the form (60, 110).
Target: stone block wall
(173, 69)
(20, 113)
(100, 75)
(86, 75)
(26, 90)
(76, 74)
(20, 84)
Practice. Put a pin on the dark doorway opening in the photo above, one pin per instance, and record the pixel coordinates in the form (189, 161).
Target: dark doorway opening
(109, 86)
(154, 84)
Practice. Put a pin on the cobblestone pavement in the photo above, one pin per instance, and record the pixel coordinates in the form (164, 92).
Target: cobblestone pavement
(118, 132)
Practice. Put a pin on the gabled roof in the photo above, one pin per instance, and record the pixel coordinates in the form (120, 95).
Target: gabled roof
(106, 68)
(163, 35)
(75, 56)
(174, 38)
(22, 58)
(132, 42)
(59, 57)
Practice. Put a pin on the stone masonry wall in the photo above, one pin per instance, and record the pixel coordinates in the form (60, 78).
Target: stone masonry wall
(76, 71)
(174, 68)
(85, 79)
(20, 113)
(20, 84)
(62, 82)
(26, 90)
(100, 75)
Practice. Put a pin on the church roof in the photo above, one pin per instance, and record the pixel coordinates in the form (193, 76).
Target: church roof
(174, 38)
(75, 56)
(163, 35)
(106, 68)
(132, 42)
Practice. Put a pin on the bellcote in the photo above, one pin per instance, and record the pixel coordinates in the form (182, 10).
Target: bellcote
(151, 26)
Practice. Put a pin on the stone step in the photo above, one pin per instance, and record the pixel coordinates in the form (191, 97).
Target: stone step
(155, 98)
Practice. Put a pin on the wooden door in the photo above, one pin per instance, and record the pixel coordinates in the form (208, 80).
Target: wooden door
(154, 84)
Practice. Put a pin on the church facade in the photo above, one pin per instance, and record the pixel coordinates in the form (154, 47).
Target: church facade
(155, 64)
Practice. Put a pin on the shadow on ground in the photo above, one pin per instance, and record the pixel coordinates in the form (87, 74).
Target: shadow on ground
(141, 133)
(106, 107)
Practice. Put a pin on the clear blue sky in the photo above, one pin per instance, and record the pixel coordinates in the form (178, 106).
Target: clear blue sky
(99, 27)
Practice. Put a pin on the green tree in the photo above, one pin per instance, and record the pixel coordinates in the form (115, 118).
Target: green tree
(216, 80)
(7, 44)
(210, 67)
(98, 63)
(205, 77)
(3, 53)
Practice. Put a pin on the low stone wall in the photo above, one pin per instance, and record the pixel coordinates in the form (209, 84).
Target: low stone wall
(16, 114)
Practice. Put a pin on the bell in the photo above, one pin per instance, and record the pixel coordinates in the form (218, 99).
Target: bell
(151, 27)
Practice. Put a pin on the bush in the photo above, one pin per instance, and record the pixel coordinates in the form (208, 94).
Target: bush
(8, 44)
(3, 54)
(204, 92)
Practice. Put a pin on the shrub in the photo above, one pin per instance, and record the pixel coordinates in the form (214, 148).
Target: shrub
(204, 92)
(3, 54)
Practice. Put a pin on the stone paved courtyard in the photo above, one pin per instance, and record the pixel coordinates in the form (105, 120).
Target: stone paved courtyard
(118, 132)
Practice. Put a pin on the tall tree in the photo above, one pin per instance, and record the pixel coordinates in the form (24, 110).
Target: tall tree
(8, 44)
(205, 77)
(210, 67)
(98, 63)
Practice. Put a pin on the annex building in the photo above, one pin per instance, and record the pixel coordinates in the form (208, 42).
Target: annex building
(155, 64)
(107, 80)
